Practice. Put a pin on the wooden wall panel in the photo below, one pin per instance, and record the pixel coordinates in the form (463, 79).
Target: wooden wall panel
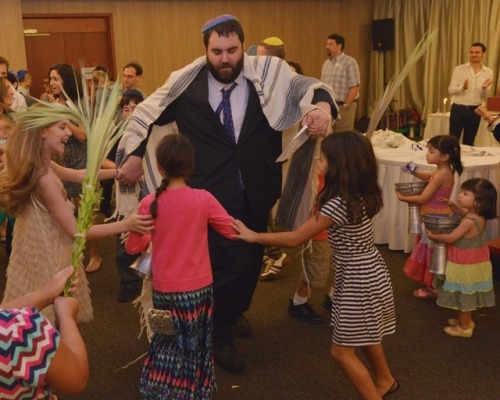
(12, 40)
(165, 35)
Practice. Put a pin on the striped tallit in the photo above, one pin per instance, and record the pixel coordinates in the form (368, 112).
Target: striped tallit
(285, 98)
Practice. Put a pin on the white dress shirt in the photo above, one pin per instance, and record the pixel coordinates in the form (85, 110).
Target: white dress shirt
(238, 99)
(475, 94)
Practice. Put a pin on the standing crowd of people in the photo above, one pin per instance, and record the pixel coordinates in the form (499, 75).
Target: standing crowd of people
(204, 204)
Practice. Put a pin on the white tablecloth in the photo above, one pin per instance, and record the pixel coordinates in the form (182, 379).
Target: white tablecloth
(439, 124)
(391, 224)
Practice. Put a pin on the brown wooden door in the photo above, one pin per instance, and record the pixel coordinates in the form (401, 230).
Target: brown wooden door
(76, 40)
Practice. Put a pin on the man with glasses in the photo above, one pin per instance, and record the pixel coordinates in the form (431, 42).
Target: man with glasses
(131, 76)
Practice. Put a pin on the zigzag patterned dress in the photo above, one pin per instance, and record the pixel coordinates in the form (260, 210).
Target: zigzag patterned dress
(26, 335)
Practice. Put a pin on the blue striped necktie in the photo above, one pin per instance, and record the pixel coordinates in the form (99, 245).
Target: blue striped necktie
(227, 116)
(225, 107)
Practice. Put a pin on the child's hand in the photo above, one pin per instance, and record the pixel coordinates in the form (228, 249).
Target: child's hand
(430, 235)
(243, 232)
(410, 168)
(65, 308)
(400, 196)
(55, 286)
(142, 224)
(446, 201)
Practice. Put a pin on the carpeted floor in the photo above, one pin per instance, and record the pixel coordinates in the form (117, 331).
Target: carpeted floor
(288, 360)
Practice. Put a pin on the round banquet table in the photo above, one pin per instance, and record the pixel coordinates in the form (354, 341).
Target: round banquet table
(391, 224)
(439, 124)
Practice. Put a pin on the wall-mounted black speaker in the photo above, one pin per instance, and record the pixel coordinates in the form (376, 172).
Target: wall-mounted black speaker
(383, 34)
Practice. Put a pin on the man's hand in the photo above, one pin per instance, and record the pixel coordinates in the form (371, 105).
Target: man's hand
(318, 121)
(466, 84)
(486, 83)
(131, 171)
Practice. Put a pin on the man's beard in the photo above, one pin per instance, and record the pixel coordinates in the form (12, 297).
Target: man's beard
(229, 76)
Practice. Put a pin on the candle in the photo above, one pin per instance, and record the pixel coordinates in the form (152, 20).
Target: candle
(445, 101)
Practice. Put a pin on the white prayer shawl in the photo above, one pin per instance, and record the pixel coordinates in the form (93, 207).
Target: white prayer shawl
(285, 98)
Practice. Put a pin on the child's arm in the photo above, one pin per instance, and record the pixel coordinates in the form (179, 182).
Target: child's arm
(431, 188)
(44, 296)
(68, 372)
(422, 175)
(137, 242)
(69, 369)
(454, 208)
(50, 191)
(219, 219)
(78, 175)
(412, 168)
(108, 164)
(302, 234)
(460, 231)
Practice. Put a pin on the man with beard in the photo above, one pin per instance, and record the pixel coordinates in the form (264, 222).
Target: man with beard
(341, 72)
(232, 107)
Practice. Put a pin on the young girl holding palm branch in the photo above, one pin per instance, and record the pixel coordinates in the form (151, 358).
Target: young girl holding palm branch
(31, 189)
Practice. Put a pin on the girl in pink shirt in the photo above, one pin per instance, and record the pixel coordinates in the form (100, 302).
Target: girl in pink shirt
(180, 365)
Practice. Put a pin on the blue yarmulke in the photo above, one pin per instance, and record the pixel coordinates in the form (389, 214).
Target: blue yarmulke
(21, 74)
(217, 21)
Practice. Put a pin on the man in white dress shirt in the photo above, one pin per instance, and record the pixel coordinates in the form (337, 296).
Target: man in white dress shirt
(469, 87)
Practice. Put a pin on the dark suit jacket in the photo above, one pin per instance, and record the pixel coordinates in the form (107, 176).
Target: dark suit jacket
(218, 159)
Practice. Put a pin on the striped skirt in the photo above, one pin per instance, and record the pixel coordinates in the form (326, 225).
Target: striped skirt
(181, 367)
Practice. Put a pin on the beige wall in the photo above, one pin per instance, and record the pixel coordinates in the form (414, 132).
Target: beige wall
(12, 42)
(165, 35)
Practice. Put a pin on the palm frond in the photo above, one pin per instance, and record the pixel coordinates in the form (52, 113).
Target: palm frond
(397, 80)
(98, 122)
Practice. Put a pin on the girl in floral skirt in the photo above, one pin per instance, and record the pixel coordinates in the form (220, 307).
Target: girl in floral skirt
(180, 365)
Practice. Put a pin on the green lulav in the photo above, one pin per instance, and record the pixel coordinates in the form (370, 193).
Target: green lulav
(97, 120)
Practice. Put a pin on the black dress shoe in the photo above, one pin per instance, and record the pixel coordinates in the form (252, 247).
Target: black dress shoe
(228, 357)
(304, 312)
(127, 294)
(242, 328)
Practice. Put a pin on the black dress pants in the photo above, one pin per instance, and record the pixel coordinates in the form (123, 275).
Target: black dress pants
(236, 267)
(464, 117)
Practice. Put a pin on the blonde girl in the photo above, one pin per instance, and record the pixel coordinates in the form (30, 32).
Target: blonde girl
(31, 190)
